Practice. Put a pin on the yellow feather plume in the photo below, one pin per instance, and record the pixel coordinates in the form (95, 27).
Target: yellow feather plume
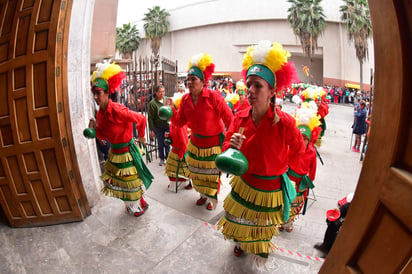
(274, 56)
(201, 60)
(240, 86)
(305, 115)
(105, 70)
(177, 98)
(232, 97)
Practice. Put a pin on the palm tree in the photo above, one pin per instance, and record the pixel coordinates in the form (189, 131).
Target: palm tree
(355, 15)
(155, 27)
(127, 40)
(308, 23)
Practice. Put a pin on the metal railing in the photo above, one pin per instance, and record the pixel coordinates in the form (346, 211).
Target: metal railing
(137, 90)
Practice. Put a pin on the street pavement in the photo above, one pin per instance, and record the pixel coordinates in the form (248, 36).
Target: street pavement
(175, 235)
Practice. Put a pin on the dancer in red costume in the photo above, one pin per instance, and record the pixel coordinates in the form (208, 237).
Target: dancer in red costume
(176, 166)
(304, 173)
(323, 110)
(260, 199)
(242, 103)
(125, 176)
(208, 114)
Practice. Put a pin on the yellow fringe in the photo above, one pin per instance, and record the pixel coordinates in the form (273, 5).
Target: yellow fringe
(204, 183)
(126, 182)
(171, 172)
(299, 199)
(118, 172)
(203, 152)
(173, 167)
(200, 164)
(296, 207)
(205, 190)
(172, 163)
(261, 218)
(232, 230)
(258, 247)
(266, 199)
(202, 177)
(130, 196)
(120, 158)
(173, 155)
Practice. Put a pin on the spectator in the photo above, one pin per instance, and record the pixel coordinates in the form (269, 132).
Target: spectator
(359, 125)
(157, 126)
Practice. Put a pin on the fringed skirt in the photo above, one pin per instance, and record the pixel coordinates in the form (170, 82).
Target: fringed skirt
(303, 184)
(297, 205)
(121, 178)
(202, 169)
(252, 216)
(175, 166)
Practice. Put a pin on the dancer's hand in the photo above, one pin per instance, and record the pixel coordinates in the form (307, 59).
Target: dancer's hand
(236, 140)
(92, 123)
(169, 102)
(142, 140)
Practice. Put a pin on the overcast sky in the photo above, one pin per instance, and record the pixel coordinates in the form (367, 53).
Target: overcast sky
(134, 10)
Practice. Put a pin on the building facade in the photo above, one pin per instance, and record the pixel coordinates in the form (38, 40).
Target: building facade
(225, 28)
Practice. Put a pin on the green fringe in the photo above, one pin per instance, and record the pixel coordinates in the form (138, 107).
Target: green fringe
(125, 196)
(123, 182)
(263, 198)
(119, 172)
(262, 218)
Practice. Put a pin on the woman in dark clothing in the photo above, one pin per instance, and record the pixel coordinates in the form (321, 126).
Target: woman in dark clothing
(359, 125)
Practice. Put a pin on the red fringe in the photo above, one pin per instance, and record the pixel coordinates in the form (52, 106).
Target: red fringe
(208, 72)
(315, 135)
(115, 81)
(286, 76)
(243, 74)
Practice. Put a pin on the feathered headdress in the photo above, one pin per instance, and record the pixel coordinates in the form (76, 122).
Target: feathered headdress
(313, 93)
(107, 76)
(233, 98)
(177, 98)
(309, 94)
(201, 65)
(270, 62)
(240, 88)
(308, 121)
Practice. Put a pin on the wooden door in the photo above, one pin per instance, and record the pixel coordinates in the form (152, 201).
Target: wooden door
(376, 236)
(39, 177)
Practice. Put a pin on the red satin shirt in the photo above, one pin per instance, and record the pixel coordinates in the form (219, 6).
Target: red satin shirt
(267, 146)
(208, 118)
(116, 123)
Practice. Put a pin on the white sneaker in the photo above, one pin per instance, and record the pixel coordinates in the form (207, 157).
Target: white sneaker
(162, 163)
(134, 210)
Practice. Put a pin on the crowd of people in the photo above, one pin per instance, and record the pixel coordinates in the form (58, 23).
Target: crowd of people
(206, 119)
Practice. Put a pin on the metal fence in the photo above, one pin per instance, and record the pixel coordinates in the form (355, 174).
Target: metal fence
(142, 76)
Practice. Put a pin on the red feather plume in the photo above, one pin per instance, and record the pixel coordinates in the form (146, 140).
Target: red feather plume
(115, 81)
(207, 74)
(286, 76)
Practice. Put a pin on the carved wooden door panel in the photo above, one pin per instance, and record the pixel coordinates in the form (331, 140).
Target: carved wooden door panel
(39, 177)
(377, 234)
